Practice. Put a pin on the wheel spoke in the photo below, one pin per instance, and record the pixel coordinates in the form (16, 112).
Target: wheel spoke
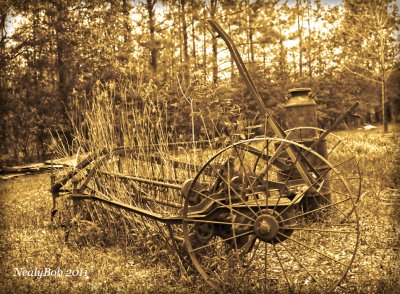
(317, 209)
(256, 246)
(237, 194)
(318, 230)
(286, 182)
(313, 249)
(291, 204)
(233, 255)
(221, 241)
(236, 253)
(248, 179)
(265, 267)
(330, 202)
(341, 163)
(283, 269)
(281, 148)
(337, 192)
(267, 194)
(232, 217)
(339, 179)
(222, 204)
(189, 220)
(302, 265)
(333, 148)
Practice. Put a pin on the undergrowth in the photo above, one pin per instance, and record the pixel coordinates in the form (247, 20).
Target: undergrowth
(121, 252)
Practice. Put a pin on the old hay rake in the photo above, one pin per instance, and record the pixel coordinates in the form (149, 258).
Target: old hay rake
(264, 214)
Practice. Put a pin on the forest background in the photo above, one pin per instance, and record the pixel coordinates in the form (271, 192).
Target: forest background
(58, 56)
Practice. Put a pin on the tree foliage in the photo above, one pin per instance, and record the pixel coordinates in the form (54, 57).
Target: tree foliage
(53, 53)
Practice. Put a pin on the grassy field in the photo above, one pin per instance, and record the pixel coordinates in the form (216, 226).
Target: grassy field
(29, 241)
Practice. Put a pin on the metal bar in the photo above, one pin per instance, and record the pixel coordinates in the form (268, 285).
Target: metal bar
(305, 175)
(176, 219)
(175, 163)
(277, 162)
(147, 198)
(100, 173)
(90, 158)
(280, 149)
(137, 210)
(143, 180)
(337, 121)
(90, 176)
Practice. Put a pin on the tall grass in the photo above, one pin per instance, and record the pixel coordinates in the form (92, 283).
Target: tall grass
(135, 116)
(138, 262)
(376, 268)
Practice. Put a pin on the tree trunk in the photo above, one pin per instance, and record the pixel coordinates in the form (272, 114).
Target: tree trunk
(251, 40)
(205, 43)
(300, 32)
(282, 64)
(264, 62)
(383, 82)
(194, 52)
(232, 62)
(125, 11)
(62, 68)
(213, 12)
(186, 61)
(384, 116)
(3, 82)
(152, 28)
(309, 57)
(321, 67)
(250, 32)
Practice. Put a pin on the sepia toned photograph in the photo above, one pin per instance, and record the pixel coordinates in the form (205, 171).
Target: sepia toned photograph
(200, 146)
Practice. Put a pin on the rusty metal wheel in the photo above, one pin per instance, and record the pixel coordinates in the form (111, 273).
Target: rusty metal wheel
(247, 231)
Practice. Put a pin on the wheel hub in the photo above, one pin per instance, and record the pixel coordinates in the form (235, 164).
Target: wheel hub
(266, 227)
